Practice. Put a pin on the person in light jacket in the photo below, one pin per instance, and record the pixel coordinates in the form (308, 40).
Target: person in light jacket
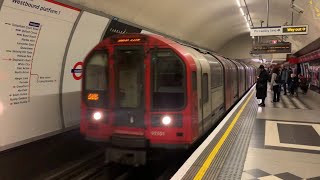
(275, 87)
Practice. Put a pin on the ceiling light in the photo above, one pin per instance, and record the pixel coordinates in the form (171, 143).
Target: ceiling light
(248, 25)
(238, 2)
(241, 10)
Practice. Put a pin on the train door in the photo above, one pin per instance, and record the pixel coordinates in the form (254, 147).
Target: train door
(206, 94)
(203, 85)
(129, 86)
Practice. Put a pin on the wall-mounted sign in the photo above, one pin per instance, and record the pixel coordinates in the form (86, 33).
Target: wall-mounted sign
(271, 48)
(76, 71)
(280, 30)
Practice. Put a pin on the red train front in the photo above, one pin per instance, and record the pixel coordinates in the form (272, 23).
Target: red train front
(137, 94)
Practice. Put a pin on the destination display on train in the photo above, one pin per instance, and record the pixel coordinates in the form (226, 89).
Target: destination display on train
(271, 48)
(127, 40)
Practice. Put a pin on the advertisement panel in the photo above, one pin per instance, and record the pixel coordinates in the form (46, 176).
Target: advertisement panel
(33, 37)
(87, 34)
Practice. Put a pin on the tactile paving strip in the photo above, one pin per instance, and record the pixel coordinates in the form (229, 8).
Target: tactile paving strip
(217, 163)
(233, 166)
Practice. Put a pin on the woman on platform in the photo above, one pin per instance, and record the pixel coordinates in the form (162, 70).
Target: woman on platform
(275, 85)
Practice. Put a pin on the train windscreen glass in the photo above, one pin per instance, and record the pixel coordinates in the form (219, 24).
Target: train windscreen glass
(129, 77)
(168, 80)
(96, 79)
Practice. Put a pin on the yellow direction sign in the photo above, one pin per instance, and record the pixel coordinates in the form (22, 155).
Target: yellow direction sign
(290, 30)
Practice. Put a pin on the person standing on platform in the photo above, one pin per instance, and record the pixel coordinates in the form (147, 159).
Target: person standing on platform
(261, 87)
(294, 83)
(289, 78)
(275, 84)
(284, 79)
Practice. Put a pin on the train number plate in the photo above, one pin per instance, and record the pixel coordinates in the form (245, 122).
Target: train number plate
(158, 133)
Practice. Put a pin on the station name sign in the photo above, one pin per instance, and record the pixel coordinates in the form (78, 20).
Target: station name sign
(271, 48)
(280, 30)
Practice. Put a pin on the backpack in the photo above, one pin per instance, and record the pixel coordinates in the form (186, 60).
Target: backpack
(278, 79)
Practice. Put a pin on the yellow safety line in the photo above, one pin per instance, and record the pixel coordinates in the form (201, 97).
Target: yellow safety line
(216, 149)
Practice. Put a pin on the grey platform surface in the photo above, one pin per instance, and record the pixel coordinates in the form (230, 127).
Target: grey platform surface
(279, 141)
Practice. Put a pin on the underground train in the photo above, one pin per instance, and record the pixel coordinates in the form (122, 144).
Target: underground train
(145, 92)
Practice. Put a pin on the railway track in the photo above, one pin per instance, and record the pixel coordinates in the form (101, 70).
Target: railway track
(87, 168)
(93, 167)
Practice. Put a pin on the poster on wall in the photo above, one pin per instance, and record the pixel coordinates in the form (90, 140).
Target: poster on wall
(34, 36)
(117, 27)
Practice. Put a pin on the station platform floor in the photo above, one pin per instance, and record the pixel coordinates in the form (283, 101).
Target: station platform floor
(279, 141)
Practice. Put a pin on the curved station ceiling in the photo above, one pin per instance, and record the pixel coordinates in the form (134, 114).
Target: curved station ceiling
(218, 25)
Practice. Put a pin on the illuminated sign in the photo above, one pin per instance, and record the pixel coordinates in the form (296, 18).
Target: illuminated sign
(287, 30)
(128, 40)
(271, 48)
(280, 30)
(93, 97)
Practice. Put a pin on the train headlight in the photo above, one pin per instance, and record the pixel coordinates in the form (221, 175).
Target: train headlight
(166, 120)
(97, 116)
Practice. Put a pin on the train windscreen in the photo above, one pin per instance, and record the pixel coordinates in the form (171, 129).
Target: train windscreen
(168, 80)
(96, 79)
(129, 77)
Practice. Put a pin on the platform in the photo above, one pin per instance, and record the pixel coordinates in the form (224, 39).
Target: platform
(279, 141)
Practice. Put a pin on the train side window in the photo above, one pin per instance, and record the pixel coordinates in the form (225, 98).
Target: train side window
(168, 77)
(216, 75)
(216, 71)
(205, 93)
(194, 80)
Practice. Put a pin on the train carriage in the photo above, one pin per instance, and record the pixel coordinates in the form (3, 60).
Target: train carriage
(142, 92)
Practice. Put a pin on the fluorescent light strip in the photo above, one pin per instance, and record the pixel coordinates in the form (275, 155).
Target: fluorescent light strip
(238, 2)
(241, 10)
(243, 14)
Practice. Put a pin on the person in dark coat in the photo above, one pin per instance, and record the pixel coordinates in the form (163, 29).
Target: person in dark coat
(262, 83)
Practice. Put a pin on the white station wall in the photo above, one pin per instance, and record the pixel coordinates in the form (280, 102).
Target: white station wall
(34, 37)
(87, 35)
(33, 42)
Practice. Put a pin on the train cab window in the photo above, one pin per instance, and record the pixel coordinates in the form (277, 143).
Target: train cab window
(205, 93)
(168, 80)
(96, 71)
(129, 77)
(96, 80)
